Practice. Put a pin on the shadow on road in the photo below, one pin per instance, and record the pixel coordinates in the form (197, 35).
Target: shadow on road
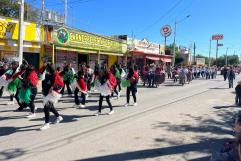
(205, 144)
(8, 130)
(221, 107)
(11, 154)
(150, 154)
(217, 88)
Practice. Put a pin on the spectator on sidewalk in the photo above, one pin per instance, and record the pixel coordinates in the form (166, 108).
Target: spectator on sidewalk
(238, 94)
(231, 77)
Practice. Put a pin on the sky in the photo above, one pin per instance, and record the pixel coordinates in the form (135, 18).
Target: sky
(144, 19)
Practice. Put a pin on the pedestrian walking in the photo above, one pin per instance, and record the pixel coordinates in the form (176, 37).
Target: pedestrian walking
(132, 77)
(238, 94)
(231, 77)
(225, 72)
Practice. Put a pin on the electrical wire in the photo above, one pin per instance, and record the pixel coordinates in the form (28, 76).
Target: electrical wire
(160, 18)
(69, 3)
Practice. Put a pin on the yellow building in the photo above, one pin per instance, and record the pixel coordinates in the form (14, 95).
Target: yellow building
(67, 45)
(33, 38)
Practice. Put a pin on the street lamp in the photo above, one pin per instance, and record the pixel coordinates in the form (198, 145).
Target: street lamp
(174, 44)
(226, 58)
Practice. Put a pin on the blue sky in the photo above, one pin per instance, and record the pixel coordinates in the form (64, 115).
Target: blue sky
(144, 18)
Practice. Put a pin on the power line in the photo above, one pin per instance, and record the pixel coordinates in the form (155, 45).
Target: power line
(69, 3)
(164, 15)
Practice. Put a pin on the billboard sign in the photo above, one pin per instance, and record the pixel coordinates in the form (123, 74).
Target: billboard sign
(217, 37)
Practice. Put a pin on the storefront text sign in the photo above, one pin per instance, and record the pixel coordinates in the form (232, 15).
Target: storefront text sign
(84, 40)
(144, 46)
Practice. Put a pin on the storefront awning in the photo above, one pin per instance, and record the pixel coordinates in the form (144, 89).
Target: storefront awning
(152, 58)
(113, 54)
(167, 60)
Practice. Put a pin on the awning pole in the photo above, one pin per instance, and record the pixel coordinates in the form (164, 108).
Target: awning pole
(98, 57)
(53, 54)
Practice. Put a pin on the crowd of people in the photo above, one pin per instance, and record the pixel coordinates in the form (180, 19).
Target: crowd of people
(22, 84)
(155, 74)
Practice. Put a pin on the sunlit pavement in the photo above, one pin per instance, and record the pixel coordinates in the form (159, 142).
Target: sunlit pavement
(170, 123)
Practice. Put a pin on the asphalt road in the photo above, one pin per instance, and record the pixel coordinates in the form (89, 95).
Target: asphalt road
(170, 123)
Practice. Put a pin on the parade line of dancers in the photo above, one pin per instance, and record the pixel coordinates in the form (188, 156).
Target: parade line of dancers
(21, 83)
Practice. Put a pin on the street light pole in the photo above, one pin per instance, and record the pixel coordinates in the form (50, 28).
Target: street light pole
(210, 50)
(65, 11)
(174, 45)
(226, 58)
(42, 12)
(20, 32)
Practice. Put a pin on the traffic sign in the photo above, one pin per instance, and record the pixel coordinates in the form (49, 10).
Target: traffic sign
(166, 30)
(220, 44)
(217, 37)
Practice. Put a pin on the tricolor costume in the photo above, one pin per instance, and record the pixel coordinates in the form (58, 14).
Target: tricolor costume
(51, 91)
(105, 87)
(27, 89)
(82, 88)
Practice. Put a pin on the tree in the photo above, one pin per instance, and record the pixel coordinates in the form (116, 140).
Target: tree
(10, 8)
(231, 60)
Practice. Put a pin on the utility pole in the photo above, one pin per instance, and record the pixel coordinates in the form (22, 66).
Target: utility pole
(210, 49)
(42, 13)
(217, 54)
(20, 32)
(65, 11)
(174, 45)
(194, 52)
(226, 58)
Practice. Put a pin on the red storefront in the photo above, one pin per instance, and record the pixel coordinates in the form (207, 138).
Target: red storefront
(141, 58)
(143, 52)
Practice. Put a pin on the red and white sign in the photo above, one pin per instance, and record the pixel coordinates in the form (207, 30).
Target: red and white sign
(166, 30)
(217, 37)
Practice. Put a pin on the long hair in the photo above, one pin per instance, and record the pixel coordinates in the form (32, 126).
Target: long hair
(50, 68)
(130, 72)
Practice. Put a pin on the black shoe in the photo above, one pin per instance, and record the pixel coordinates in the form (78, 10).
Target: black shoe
(19, 109)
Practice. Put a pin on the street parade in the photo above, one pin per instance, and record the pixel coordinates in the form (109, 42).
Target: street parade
(104, 80)
(21, 84)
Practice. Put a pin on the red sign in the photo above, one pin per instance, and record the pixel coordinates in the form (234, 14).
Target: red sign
(220, 44)
(217, 37)
(166, 30)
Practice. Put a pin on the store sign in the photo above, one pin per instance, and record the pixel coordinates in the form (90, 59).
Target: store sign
(217, 37)
(166, 31)
(144, 46)
(9, 30)
(6, 29)
(84, 40)
(200, 61)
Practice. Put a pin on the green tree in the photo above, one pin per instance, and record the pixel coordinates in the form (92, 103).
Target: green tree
(10, 8)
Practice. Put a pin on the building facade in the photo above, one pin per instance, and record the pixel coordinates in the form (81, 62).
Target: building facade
(142, 52)
(33, 37)
(67, 45)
